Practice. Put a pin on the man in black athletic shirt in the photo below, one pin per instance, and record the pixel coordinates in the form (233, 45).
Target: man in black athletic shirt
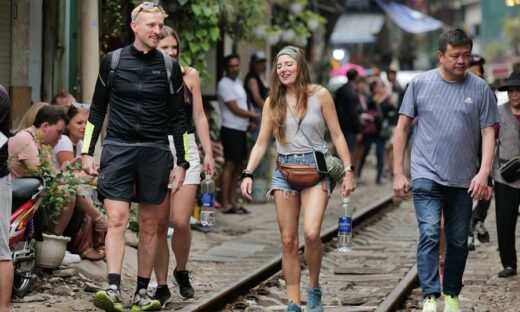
(145, 106)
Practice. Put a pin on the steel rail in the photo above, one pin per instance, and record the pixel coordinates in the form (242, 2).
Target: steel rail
(233, 291)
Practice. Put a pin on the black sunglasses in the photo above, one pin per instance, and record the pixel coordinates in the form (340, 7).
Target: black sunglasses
(146, 6)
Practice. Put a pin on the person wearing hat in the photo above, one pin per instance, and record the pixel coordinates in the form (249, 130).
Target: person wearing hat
(256, 83)
(507, 194)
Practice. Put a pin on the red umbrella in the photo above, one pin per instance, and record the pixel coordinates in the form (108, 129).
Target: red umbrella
(343, 69)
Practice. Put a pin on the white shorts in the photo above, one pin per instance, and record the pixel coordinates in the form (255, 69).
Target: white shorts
(192, 152)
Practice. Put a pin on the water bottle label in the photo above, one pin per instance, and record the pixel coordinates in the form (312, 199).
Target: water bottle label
(207, 199)
(345, 225)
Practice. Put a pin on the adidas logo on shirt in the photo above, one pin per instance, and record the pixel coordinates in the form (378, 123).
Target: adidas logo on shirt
(468, 100)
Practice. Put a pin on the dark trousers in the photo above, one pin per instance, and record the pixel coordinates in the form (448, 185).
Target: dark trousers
(507, 200)
(368, 140)
(479, 214)
(481, 210)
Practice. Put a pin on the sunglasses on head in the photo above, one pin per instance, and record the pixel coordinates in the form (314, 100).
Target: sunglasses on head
(146, 6)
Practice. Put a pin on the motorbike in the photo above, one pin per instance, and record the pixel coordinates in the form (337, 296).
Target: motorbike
(25, 230)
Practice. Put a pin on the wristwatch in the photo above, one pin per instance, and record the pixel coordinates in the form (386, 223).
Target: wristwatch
(183, 164)
(349, 168)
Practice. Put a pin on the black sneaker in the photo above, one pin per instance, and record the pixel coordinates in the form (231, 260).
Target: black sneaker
(163, 295)
(182, 278)
(482, 233)
(507, 272)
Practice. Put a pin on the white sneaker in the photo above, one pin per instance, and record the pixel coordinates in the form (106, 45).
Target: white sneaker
(430, 304)
(451, 304)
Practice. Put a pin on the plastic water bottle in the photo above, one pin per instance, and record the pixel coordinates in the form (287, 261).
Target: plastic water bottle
(207, 209)
(345, 226)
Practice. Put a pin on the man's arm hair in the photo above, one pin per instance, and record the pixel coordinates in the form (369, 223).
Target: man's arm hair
(98, 108)
(178, 124)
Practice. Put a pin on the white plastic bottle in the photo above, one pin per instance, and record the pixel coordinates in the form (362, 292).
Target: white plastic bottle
(345, 226)
(207, 207)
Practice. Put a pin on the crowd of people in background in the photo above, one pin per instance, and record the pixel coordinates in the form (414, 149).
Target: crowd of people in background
(367, 110)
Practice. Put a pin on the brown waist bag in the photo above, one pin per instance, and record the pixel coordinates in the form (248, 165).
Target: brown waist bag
(300, 175)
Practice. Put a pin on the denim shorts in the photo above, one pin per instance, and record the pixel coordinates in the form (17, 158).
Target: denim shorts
(278, 182)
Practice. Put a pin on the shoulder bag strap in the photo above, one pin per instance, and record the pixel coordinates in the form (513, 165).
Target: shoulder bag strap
(301, 129)
(113, 65)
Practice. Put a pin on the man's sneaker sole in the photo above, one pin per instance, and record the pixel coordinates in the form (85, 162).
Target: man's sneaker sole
(155, 305)
(105, 303)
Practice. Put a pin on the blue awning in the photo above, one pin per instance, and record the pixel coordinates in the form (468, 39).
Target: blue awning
(407, 19)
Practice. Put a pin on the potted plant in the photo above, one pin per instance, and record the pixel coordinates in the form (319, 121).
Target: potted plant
(61, 187)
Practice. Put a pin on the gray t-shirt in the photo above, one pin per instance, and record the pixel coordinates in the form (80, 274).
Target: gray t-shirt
(449, 118)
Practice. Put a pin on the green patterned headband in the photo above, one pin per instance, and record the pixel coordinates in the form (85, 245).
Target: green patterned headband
(288, 51)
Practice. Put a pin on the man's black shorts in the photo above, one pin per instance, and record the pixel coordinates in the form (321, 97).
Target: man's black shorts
(123, 167)
(234, 143)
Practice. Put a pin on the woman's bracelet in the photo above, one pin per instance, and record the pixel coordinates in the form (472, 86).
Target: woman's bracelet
(246, 174)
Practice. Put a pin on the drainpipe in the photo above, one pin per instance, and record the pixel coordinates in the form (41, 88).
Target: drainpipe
(89, 48)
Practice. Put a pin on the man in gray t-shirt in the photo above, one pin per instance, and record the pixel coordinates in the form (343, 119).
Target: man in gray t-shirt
(451, 108)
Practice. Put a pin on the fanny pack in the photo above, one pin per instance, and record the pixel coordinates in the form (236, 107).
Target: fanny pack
(300, 175)
(510, 171)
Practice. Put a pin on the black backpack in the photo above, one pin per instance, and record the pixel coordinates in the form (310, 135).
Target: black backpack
(116, 54)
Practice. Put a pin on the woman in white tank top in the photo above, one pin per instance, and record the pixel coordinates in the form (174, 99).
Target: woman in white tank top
(292, 92)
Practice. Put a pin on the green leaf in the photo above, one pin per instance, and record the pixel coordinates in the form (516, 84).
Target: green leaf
(207, 11)
(214, 33)
(201, 33)
(194, 47)
(196, 9)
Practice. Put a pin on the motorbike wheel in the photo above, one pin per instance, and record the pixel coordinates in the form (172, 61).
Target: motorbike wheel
(22, 285)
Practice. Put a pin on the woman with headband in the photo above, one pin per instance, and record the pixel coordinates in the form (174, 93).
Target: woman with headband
(296, 113)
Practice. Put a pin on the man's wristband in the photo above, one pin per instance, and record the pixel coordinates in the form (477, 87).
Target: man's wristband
(183, 164)
(246, 174)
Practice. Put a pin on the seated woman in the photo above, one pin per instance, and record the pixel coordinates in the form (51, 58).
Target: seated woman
(27, 157)
(88, 226)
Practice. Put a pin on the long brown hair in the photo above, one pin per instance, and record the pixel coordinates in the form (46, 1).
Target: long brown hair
(277, 92)
(167, 31)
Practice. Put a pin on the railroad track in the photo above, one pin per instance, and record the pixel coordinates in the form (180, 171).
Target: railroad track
(376, 276)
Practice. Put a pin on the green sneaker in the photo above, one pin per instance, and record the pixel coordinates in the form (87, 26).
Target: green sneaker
(451, 304)
(109, 299)
(143, 302)
(430, 304)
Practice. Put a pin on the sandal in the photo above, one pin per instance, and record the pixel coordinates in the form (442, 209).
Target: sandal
(242, 210)
(92, 255)
(232, 210)
(101, 224)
